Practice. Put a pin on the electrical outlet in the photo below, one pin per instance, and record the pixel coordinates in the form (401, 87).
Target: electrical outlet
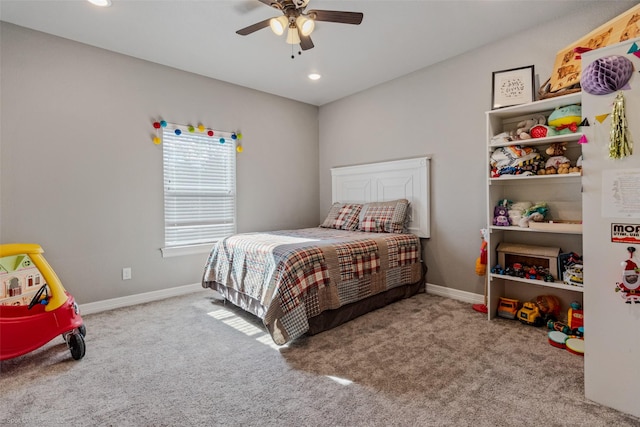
(126, 273)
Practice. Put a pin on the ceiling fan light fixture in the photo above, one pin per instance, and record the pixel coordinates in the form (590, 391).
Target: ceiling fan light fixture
(278, 25)
(305, 24)
(292, 36)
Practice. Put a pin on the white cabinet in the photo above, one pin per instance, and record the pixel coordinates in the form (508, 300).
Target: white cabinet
(561, 192)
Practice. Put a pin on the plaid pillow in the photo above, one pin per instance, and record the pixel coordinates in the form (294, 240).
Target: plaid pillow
(343, 216)
(384, 217)
(370, 224)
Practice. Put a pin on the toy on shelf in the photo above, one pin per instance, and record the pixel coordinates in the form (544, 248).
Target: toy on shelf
(508, 308)
(515, 160)
(562, 121)
(549, 306)
(575, 321)
(575, 318)
(573, 275)
(522, 130)
(501, 214)
(530, 314)
(558, 163)
(544, 308)
(517, 209)
(534, 213)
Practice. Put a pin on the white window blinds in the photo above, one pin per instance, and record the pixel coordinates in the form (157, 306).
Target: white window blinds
(199, 188)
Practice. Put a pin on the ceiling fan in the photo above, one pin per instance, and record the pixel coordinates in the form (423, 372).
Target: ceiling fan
(297, 23)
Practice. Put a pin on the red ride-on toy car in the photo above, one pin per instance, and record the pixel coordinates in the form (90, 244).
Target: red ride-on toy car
(34, 306)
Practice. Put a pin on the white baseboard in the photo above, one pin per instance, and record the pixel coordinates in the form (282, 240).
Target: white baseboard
(455, 294)
(110, 304)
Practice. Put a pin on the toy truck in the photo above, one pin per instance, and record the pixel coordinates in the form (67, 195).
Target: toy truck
(530, 314)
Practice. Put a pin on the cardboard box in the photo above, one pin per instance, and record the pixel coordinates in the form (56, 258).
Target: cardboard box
(543, 256)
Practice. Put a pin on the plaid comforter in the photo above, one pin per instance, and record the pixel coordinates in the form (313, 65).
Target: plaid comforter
(287, 277)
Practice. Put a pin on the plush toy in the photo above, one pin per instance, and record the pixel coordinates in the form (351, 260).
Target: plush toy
(556, 149)
(523, 128)
(514, 160)
(556, 165)
(565, 116)
(578, 167)
(516, 211)
(562, 121)
(521, 132)
(501, 214)
(536, 213)
(534, 216)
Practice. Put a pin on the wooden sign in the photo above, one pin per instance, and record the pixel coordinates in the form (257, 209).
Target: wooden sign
(566, 70)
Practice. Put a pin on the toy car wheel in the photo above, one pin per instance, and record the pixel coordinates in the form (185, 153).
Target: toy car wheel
(83, 330)
(76, 346)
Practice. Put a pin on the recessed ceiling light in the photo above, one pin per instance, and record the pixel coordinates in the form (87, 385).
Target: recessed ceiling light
(314, 76)
(101, 3)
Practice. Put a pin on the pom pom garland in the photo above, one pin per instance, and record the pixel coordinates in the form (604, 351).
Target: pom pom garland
(179, 129)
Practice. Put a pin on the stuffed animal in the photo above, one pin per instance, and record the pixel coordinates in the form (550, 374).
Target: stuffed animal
(534, 216)
(517, 209)
(536, 213)
(556, 149)
(514, 160)
(562, 120)
(555, 164)
(523, 128)
(501, 214)
(564, 117)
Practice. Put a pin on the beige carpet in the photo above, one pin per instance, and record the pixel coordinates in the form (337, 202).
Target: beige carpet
(425, 361)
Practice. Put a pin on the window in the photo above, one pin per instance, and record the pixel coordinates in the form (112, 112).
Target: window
(199, 189)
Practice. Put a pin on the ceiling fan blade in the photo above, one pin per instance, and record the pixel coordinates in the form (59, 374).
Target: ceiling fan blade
(305, 41)
(336, 16)
(253, 28)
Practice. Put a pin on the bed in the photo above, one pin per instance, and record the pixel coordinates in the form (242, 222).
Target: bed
(366, 254)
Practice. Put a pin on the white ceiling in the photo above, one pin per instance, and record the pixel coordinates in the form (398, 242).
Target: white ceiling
(396, 37)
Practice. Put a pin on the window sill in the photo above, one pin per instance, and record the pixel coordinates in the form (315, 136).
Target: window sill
(186, 250)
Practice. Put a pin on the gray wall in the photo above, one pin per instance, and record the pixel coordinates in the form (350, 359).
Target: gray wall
(439, 111)
(80, 175)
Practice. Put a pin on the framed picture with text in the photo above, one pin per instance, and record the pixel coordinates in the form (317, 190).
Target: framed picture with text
(512, 87)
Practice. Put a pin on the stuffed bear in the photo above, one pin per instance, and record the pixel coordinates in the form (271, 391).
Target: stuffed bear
(501, 216)
(556, 149)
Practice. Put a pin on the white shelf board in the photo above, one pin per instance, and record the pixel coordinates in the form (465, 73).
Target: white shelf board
(557, 285)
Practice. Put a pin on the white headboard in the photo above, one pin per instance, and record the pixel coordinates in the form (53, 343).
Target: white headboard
(380, 182)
